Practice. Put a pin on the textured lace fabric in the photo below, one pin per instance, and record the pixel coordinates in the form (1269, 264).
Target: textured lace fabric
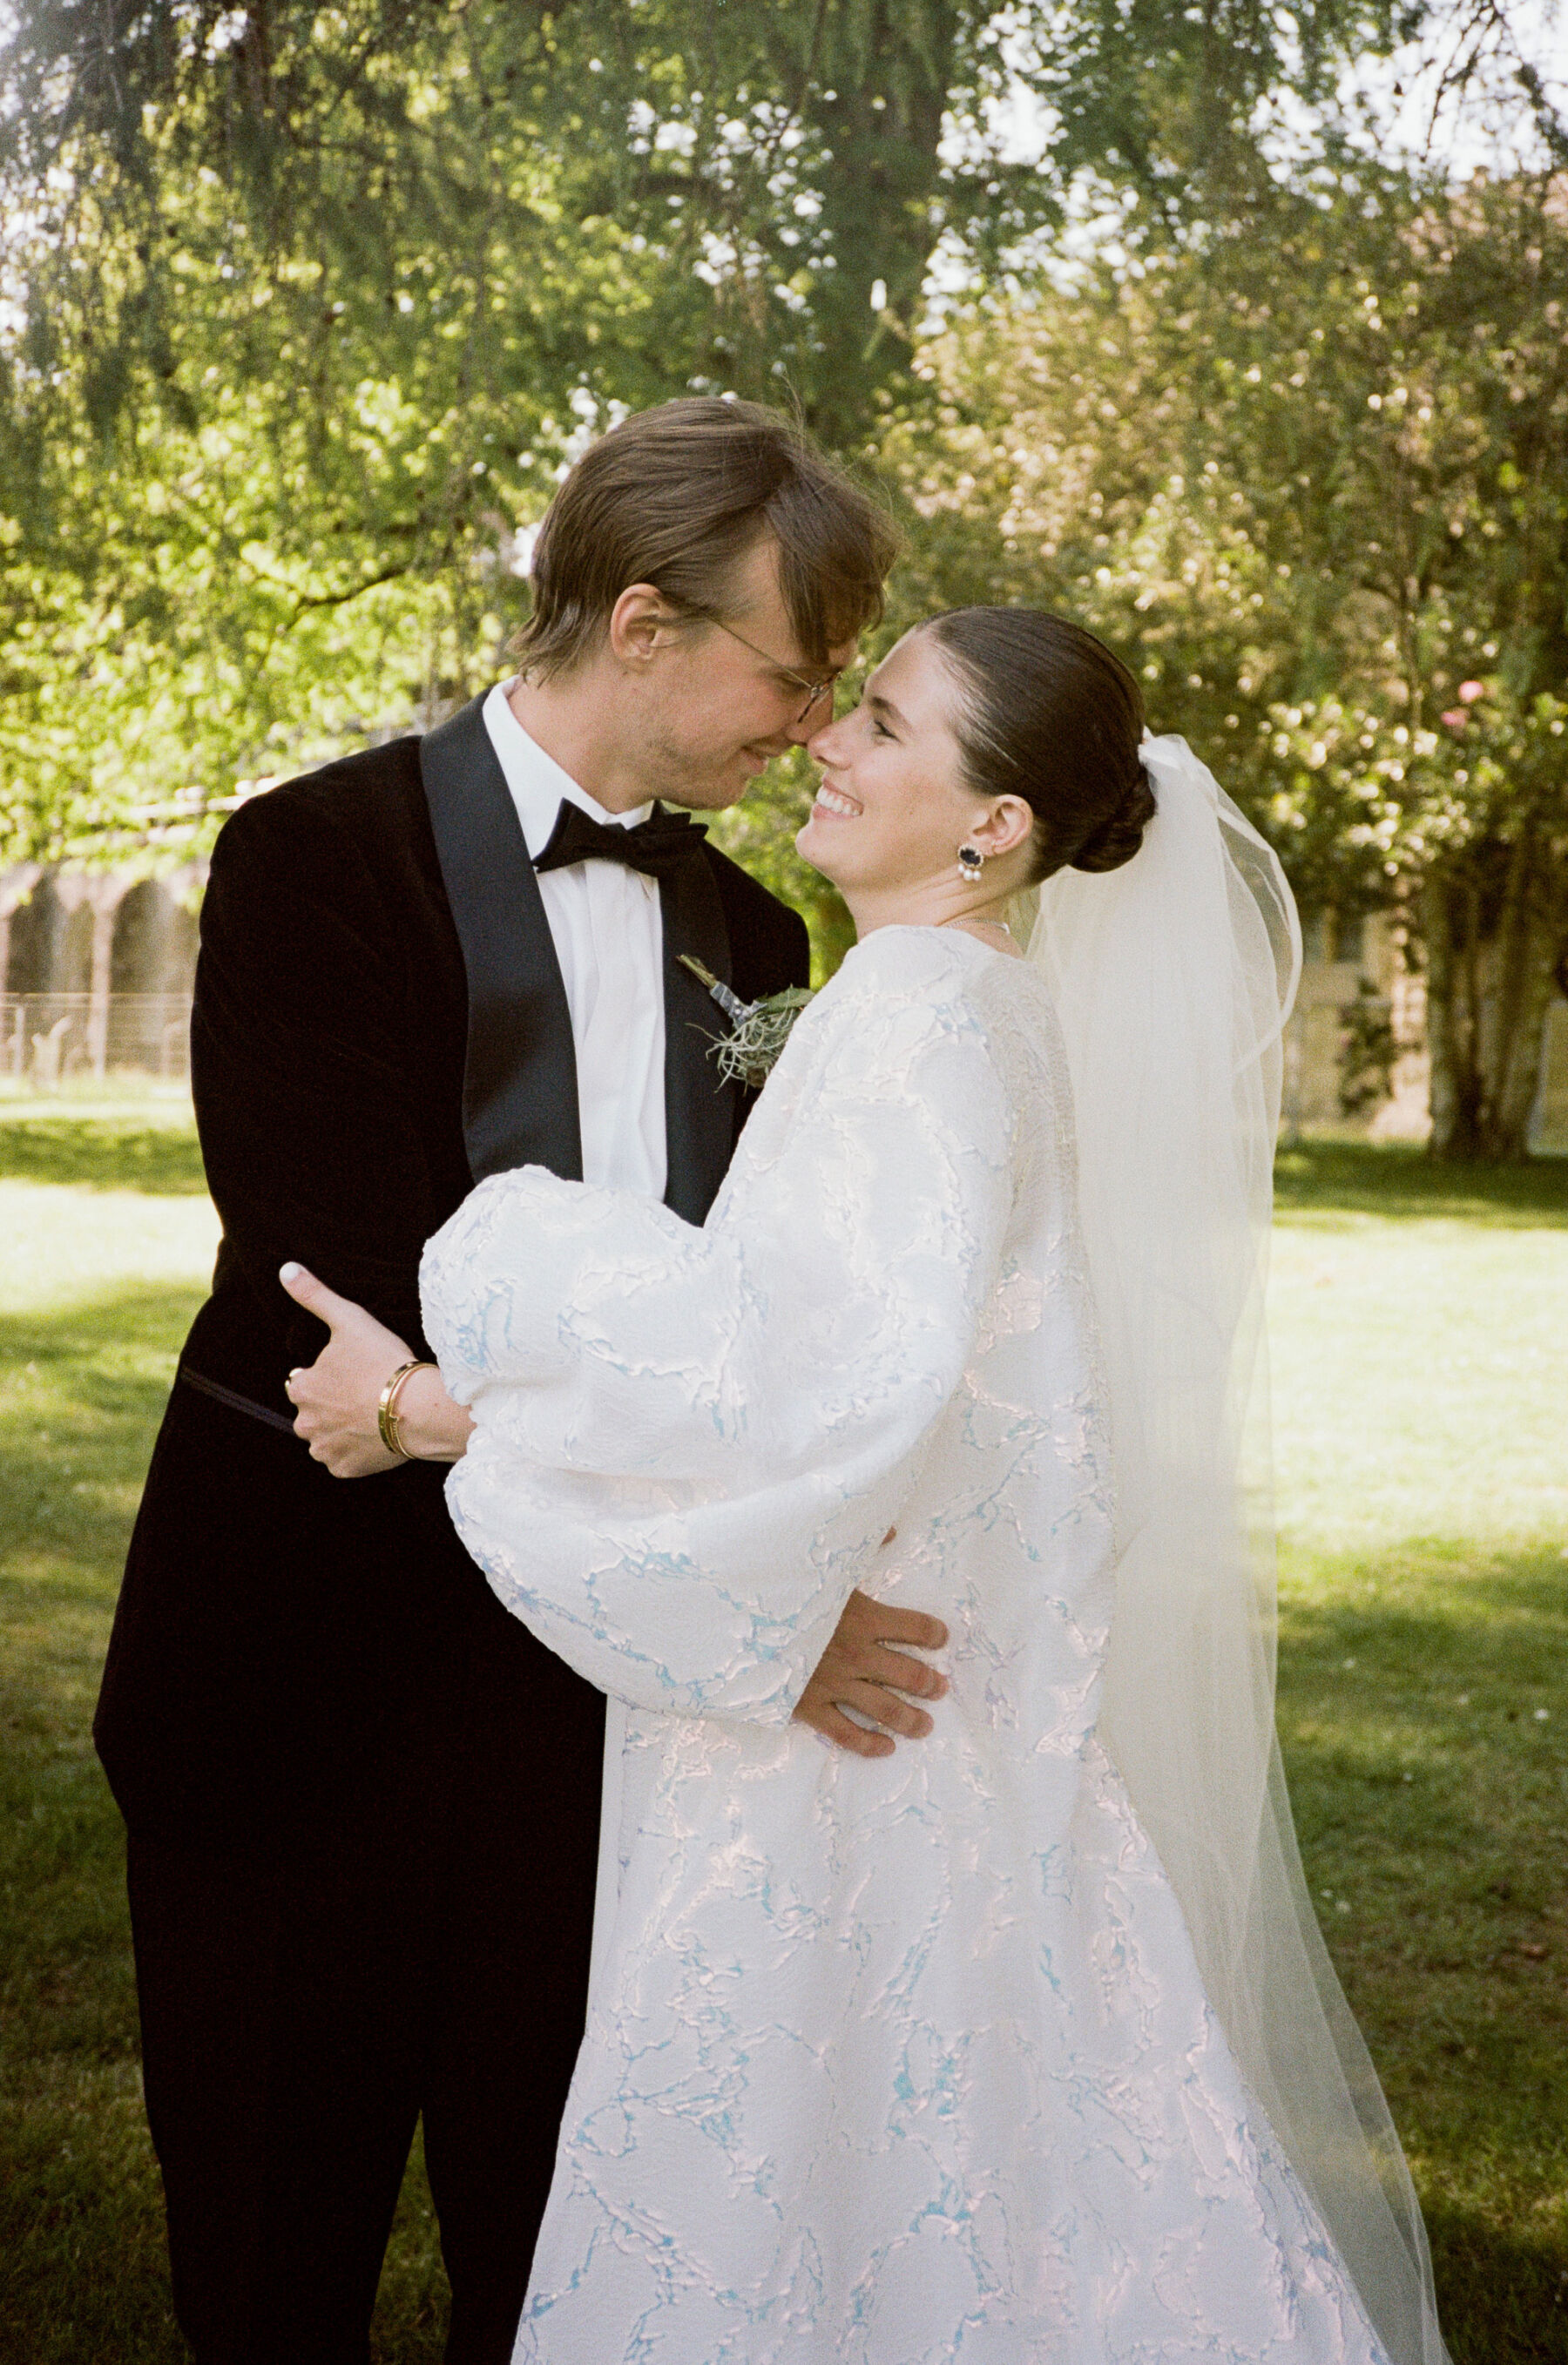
(887, 2061)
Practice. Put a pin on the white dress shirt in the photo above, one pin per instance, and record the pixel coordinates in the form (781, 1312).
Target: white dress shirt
(608, 936)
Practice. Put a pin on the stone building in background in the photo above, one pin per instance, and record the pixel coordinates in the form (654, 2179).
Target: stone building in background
(1356, 1049)
(97, 968)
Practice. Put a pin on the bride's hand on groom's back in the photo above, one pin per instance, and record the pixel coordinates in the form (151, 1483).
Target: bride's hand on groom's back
(862, 1669)
(337, 1397)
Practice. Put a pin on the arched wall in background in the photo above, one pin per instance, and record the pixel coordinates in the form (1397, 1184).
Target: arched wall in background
(57, 926)
(96, 971)
(154, 944)
(32, 926)
(107, 958)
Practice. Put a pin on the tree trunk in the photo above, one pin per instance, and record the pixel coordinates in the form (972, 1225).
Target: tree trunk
(1520, 1077)
(1501, 1010)
(888, 68)
(1487, 998)
(1449, 1036)
(1545, 958)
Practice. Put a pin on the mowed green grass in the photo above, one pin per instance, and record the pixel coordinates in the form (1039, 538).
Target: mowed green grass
(107, 1241)
(1420, 1370)
(1419, 1336)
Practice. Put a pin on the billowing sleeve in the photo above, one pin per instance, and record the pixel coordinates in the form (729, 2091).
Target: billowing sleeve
(689, 1444)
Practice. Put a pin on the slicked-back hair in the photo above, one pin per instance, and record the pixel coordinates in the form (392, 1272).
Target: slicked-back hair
(679, 497)
(1052, 715)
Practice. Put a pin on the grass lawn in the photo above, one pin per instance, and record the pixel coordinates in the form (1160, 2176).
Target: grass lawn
(1419, 1334)
(107, 1241)
(1420, 1364)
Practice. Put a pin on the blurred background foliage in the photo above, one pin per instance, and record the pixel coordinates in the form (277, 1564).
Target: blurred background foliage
(1127, 308)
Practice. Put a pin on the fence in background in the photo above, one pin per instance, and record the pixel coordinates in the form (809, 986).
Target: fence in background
(48, 1039)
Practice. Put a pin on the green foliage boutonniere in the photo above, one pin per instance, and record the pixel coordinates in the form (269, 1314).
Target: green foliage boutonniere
(758, 1030)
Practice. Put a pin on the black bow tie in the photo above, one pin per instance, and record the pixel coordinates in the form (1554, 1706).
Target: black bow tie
(656, 846)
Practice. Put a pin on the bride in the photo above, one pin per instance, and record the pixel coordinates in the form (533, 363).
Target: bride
(1022, 2044)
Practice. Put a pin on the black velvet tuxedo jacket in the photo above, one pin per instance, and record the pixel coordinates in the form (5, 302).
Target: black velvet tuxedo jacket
(379, 1021)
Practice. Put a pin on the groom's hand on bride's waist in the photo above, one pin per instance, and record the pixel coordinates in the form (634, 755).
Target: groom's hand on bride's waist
(862, 1669)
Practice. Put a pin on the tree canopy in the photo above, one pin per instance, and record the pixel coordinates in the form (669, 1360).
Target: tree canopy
(619, 195)
(1314, 482)
(305, 307)
(308, 306)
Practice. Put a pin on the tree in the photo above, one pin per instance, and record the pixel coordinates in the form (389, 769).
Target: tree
(314, 304)
(1312, 474)
(1425, 430)
(310, 306)
(781, 177)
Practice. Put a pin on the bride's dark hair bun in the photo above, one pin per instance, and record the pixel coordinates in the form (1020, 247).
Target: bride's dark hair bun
(1119, 839)
(1052, 715)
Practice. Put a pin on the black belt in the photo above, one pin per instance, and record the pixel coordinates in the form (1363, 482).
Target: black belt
(236, 1402)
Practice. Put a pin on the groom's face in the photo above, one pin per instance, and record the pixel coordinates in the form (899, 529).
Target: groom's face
(723, 699)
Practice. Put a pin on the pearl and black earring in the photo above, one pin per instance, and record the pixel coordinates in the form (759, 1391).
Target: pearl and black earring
(971, 862)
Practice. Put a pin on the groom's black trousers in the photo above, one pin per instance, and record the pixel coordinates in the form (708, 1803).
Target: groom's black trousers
(302, 2008)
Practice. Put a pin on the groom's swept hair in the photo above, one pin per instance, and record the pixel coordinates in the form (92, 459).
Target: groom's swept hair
(679, 497)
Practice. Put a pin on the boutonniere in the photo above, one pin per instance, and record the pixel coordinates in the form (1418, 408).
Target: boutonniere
(758, 1030)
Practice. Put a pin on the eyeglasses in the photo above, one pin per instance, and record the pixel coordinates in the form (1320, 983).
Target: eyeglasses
(815, 690)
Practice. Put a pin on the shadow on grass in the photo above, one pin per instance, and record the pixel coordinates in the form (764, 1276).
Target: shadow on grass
(104, 1154)
(152, 1316)
(83, 1392)
(1501, 2300)
(83, 2272)
(86, 1388)
(1424, 1734)
(1431, 1800)
(1393, 1179)
(1397, 1179)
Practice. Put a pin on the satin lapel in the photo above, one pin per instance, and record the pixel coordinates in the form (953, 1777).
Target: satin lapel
(700, 1109)
(520, 1076)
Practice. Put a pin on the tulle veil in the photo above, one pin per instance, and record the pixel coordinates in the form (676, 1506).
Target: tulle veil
(1173, 978)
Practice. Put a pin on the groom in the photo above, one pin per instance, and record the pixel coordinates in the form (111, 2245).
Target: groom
(362, 1799)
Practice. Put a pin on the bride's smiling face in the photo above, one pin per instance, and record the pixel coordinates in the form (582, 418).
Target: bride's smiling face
(893, 805)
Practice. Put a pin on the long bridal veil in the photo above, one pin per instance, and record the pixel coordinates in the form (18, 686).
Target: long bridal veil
(1173, 978)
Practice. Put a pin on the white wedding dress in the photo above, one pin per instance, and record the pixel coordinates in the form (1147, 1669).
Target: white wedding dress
(893, 2060)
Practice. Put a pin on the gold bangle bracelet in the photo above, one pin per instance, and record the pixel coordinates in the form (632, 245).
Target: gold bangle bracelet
(386, 1409)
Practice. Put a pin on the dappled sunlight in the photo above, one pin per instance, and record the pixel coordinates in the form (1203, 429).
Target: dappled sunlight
(84, 1373)
(104, 1155)
(1335, 1182)
(1424, 1720)
(1419, 1371)
(52, 1254)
